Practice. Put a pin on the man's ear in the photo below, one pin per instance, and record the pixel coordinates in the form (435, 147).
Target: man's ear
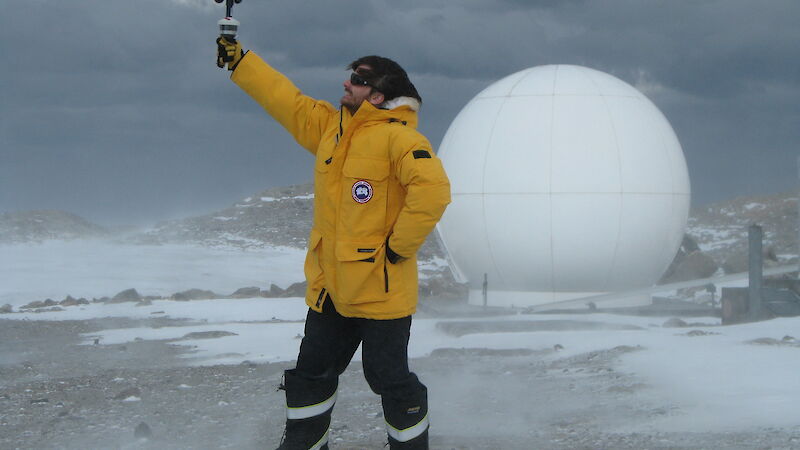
(376, 98)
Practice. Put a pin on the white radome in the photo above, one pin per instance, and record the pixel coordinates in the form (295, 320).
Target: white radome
(566, 182)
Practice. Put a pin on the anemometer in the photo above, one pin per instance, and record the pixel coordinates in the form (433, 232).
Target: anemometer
(228, 26)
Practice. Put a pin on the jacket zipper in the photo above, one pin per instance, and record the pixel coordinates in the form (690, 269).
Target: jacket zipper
(385, 277)
(319, 299)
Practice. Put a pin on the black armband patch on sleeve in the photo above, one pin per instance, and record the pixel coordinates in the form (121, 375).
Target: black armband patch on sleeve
(421, 154)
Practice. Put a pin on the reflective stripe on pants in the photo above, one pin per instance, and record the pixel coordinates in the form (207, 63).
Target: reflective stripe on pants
(321, 442)
(304, 412)
(409, 433)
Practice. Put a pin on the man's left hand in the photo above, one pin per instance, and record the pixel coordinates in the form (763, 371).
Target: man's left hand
(393, 257)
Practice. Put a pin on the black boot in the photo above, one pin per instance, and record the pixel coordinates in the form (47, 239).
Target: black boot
(407, 420)
(309, 404)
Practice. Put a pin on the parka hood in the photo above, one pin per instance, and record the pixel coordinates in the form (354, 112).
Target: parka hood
(403, 109)
(411, 102)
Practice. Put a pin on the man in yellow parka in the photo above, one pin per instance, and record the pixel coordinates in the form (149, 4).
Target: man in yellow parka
(378, 192)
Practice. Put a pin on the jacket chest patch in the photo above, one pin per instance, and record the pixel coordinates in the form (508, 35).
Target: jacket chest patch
(362, 191)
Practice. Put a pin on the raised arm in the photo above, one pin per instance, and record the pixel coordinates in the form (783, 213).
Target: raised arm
(305, 118)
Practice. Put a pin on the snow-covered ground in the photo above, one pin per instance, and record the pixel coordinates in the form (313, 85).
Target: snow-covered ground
(714, 375)
(718, 378)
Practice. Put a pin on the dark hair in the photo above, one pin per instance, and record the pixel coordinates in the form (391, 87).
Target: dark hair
(386, 76)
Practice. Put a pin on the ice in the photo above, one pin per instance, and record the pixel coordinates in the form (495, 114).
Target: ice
(55, 269)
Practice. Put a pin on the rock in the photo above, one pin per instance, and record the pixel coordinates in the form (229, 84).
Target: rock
(626, 348)
(738, 261)
(247, 292)
(69, 301)
(6, 309)
(674, 322)
(735, 263)
(128, 295)
(274, 291)
(296, 290)
(689, 244)
(39, 304)
(790, 342)
(695, 333)
(675, 272)
(194, 294)
(442, 287)
(127, 393)
(770, 254)
(764, 341)
(33, 305)
(207, 335)
(142, 431)
(690, 266)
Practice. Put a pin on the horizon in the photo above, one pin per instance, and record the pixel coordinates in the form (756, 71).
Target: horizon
(176, 216)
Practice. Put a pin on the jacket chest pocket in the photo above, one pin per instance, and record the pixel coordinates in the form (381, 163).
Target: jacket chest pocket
(363, 198)
(361, 274)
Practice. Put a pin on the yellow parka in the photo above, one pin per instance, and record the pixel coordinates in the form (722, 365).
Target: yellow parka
(375, 177)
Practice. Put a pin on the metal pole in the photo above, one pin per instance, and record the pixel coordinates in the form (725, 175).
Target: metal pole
(485, 290)
(755, 234)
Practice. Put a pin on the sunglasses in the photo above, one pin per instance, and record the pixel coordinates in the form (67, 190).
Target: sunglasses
(357, 80)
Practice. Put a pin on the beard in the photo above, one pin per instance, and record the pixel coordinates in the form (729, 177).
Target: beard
(349, 102)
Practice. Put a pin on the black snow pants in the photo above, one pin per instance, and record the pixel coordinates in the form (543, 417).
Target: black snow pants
(329, 344)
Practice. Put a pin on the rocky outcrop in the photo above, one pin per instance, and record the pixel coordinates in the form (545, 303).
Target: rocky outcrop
(690, 263)
(720, 229)
(195, 294)
(296, 290)
(38, 226)
(274, 217)
(128, 295)
(737, 261)
(247, 292)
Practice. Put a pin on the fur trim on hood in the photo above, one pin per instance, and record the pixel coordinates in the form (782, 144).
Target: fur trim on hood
(396, 102)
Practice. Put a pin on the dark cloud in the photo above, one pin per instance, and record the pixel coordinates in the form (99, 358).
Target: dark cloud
(113, 109)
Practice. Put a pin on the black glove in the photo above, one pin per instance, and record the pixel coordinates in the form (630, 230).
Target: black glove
(393, 257)
(229, 51)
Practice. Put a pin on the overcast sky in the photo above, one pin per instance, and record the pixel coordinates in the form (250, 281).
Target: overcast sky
(115, 109)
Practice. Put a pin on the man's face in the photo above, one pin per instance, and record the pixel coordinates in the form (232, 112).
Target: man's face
(355, 94)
